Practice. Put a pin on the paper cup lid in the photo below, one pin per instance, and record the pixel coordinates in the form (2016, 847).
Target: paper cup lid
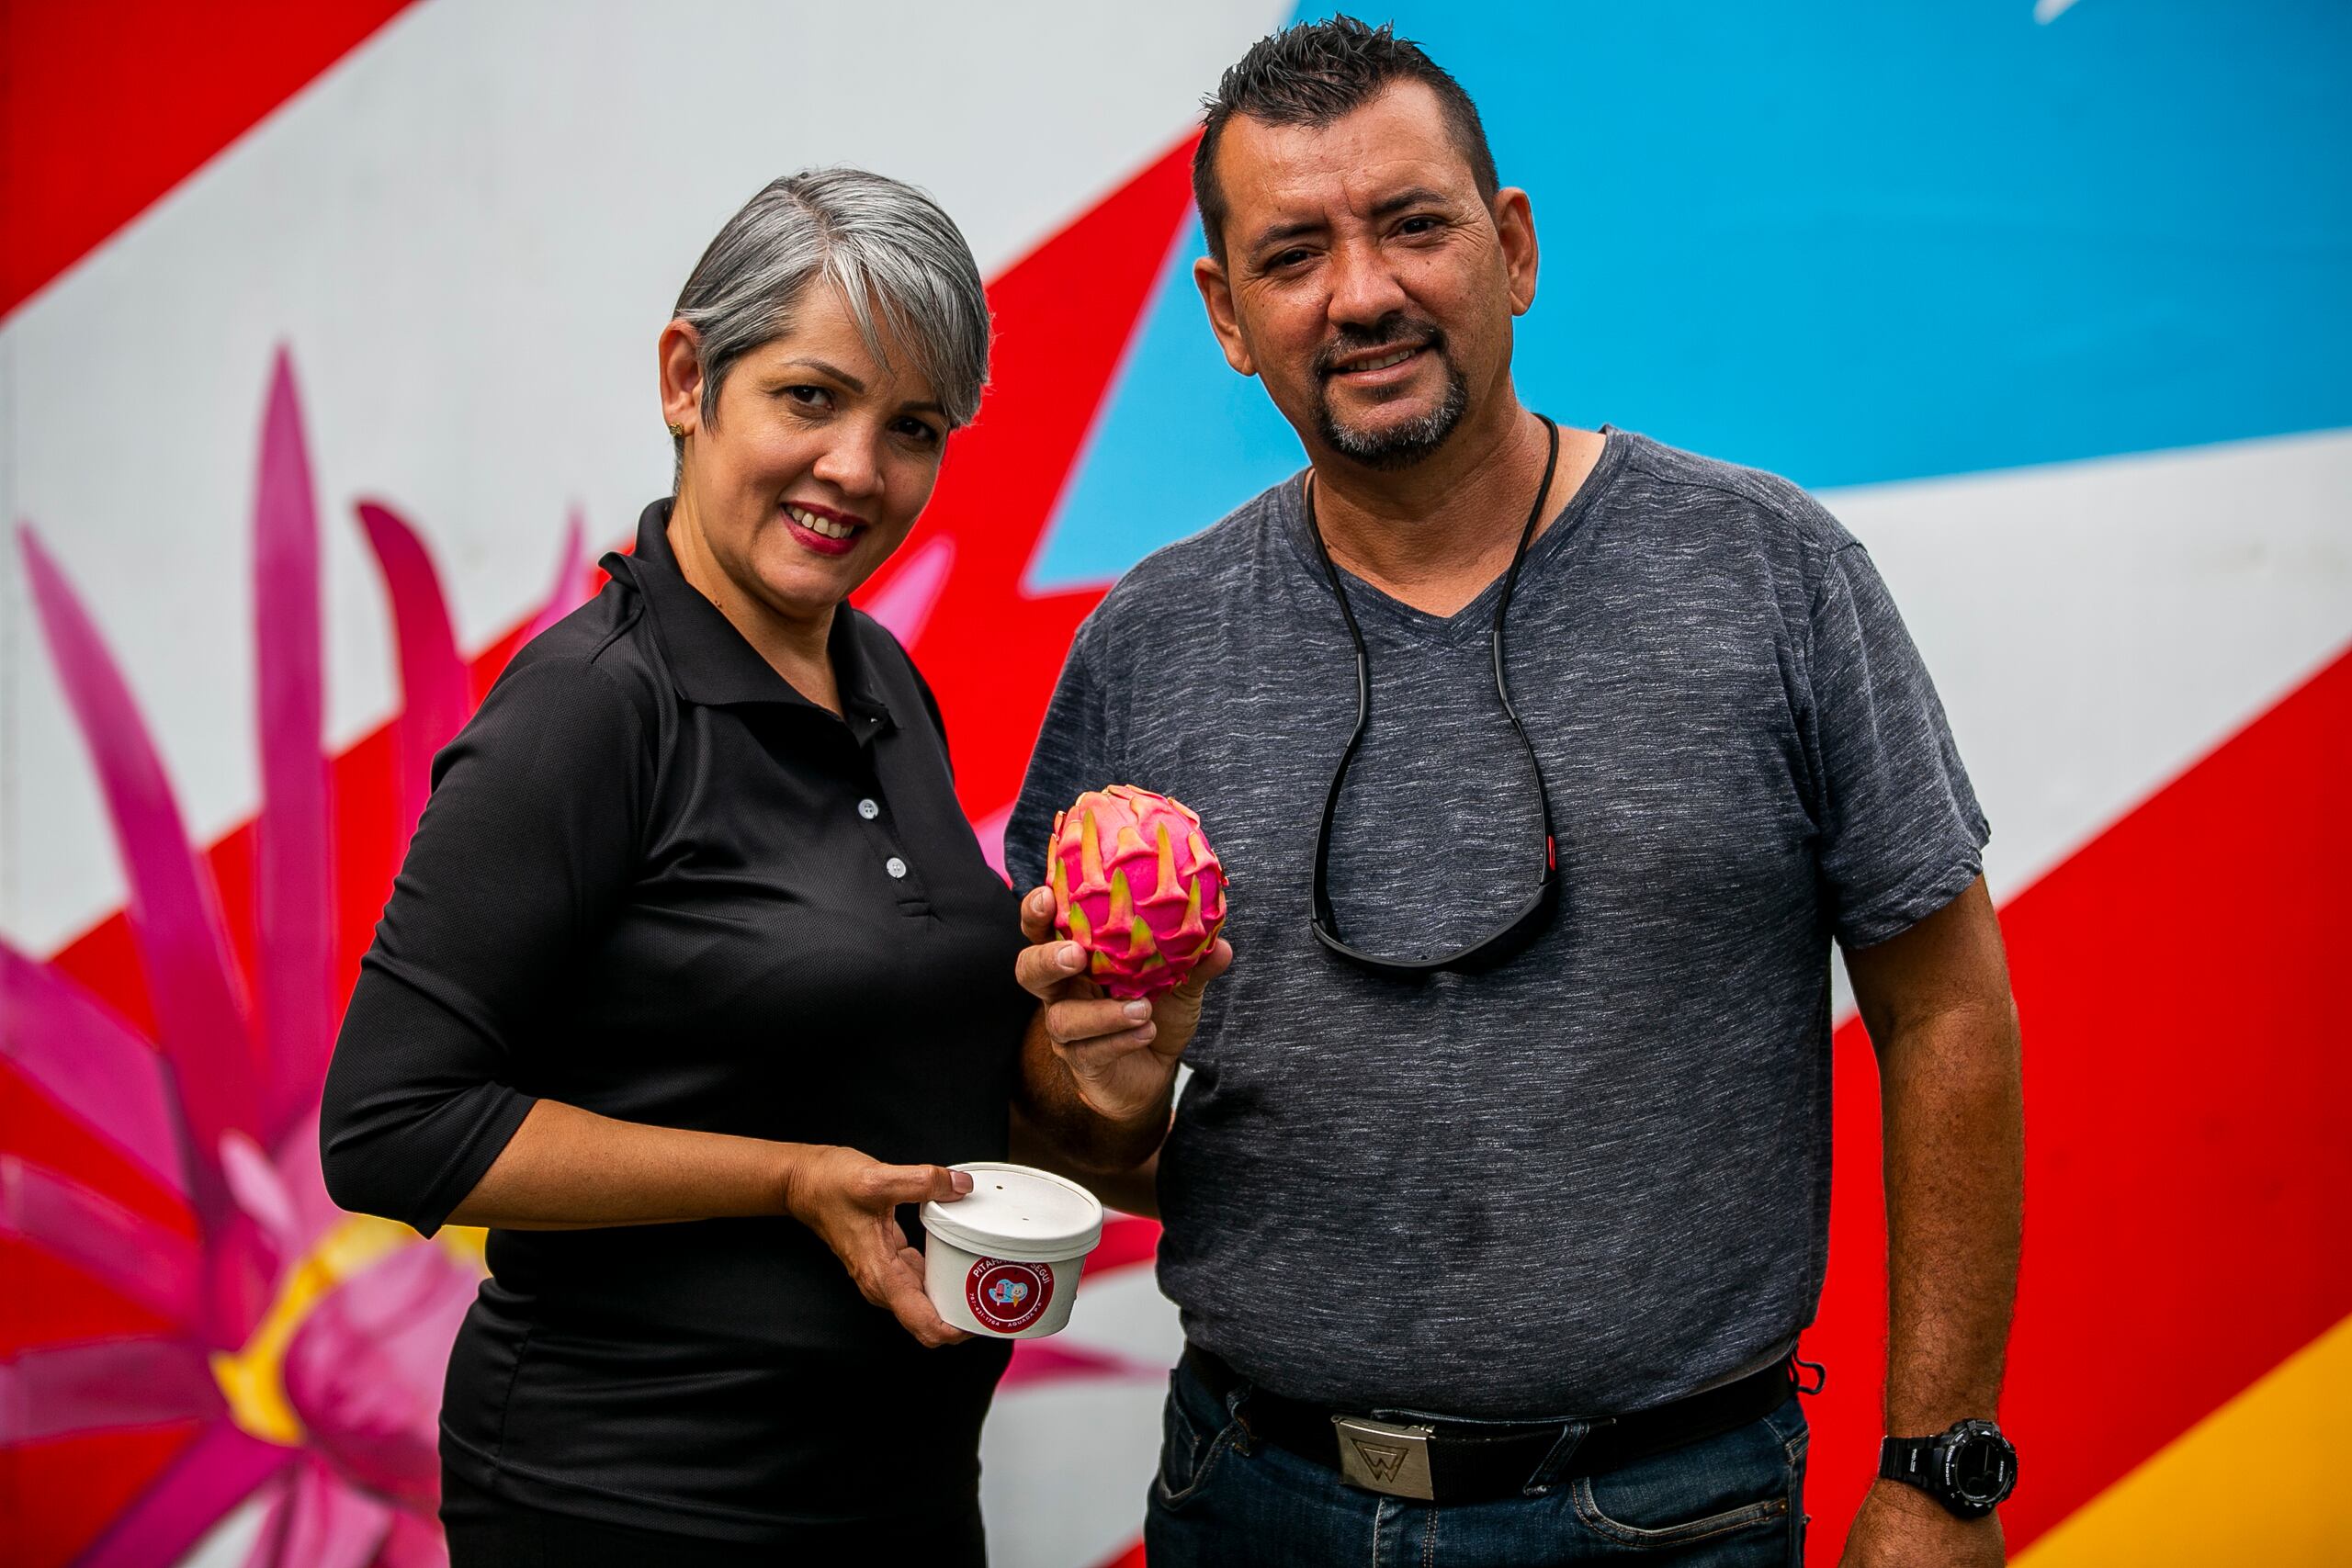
(1017, 1213)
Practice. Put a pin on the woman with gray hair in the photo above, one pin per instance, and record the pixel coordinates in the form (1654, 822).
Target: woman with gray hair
(696, 973)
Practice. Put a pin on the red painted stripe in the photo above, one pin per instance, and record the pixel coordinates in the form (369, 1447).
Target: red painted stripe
(1127, 1239)
(107, 107)
(1064, 315)
(2189, 1107)
(57, 1496)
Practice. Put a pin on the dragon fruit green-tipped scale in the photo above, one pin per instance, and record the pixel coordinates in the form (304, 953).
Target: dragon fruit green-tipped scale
(1136, 885)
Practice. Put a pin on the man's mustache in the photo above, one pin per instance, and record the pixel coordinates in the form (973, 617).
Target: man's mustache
(1394, 330)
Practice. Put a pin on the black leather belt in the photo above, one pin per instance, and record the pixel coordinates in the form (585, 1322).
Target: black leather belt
(1443, 1461)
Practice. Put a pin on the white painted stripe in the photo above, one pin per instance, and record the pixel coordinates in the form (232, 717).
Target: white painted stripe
(1064, 1470)
(2096, 627)
(1123, 1314)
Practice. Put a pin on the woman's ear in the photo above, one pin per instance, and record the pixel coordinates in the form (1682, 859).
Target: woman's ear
(680, 351)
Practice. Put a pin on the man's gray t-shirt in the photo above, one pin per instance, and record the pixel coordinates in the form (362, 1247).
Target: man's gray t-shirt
(1596, 1178)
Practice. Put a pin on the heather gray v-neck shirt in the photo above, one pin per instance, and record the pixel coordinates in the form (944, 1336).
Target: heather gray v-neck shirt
(1597, 1178)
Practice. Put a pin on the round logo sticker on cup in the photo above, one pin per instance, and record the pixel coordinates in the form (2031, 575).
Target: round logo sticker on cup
(1008, 1296)
(1006, 1258)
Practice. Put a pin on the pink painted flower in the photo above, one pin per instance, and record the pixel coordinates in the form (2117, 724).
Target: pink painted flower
(309, 1343)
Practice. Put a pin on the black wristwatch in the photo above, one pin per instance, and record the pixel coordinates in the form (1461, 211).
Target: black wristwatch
(1970, 1469)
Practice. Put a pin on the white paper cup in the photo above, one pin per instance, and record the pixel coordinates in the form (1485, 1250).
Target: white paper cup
(1004, 1259)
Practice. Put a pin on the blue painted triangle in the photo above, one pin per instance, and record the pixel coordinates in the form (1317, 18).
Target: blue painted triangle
(1852, 242)
(1179, 431)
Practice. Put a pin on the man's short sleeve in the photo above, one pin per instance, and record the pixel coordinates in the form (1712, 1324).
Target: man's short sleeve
(1901, 835)
(1075, 753)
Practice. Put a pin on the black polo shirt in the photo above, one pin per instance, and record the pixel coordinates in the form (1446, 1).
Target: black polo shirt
(656, 882)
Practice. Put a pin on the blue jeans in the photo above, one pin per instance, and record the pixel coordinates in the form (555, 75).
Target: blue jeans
(1223, 1500)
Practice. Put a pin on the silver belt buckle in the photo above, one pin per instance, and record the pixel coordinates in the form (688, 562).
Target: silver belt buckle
(1381, 1457)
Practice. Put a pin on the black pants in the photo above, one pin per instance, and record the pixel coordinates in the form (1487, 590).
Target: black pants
(486, 1531)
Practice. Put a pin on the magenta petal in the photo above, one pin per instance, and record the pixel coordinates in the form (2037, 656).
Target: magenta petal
(293, 891)
(107, 1079)
(570, 588)
(414, 1541)
(53, 1390)
(255, 1183)
(277, 1522)
(175, 909)
(435, 696)
(128, 1252)
(214, 1474)
(364, 1372)
(306, 1185)
(904, 603)
(320, 1522)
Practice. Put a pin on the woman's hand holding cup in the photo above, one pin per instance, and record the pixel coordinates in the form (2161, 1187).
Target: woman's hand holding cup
(852, 1201)
(1121, 1055)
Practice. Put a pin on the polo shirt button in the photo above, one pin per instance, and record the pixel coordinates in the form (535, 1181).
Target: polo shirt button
(868, 809)
(894, 867)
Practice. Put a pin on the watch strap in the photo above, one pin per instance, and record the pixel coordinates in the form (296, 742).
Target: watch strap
(1911, 1460)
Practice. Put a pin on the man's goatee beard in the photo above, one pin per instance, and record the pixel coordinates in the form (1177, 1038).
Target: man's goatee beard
(1406, 443)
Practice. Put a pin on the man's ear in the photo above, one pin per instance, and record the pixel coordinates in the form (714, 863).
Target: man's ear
(1515, 230)
(680, 354)
(1216, 297)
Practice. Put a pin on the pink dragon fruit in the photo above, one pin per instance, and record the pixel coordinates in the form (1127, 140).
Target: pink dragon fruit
(1136, 885)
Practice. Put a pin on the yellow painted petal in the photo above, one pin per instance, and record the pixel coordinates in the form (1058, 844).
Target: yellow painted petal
(253, 1377)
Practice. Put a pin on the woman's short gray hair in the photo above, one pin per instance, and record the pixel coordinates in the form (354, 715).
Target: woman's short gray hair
(886, 246)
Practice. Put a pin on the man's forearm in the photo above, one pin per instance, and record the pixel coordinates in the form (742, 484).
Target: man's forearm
(1049, 1098)
(1956, 1145)
(1131, 1191)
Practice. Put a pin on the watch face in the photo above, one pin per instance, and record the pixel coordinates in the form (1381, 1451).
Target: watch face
(1983, 1465)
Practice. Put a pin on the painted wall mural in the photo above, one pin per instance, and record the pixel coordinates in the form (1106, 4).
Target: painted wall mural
(327, 337)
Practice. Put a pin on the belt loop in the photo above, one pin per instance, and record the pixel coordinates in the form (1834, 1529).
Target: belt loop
(1236, 1398)
(1555, 1458)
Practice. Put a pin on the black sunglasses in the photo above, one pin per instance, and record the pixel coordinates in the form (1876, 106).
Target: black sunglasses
(1529, 922)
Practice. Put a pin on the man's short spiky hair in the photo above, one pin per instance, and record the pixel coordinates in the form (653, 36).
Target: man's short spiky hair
(1316, 73)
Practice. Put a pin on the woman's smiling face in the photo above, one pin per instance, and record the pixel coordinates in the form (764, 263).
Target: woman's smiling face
(817, 463)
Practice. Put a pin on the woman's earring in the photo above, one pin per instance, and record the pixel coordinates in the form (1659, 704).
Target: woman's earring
(678, 431)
